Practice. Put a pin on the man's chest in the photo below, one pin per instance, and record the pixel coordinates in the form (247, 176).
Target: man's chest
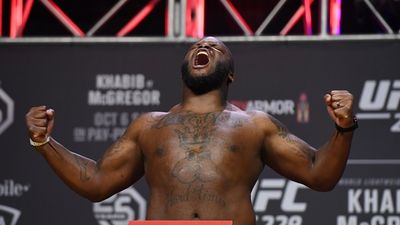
(202, 149)
(189, 132)
(201, 139)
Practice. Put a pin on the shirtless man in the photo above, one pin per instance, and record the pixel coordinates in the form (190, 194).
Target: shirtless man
(202, 158)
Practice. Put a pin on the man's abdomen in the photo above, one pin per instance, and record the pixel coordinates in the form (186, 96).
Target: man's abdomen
(201, 202)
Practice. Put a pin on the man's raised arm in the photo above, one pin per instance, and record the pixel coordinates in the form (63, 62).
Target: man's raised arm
(293, 158)
(120, 166)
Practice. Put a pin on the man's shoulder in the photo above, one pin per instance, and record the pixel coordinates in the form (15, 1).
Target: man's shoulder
(257, 115)
(146, 120)
(150, 117)
(250, 113)
(262, 120)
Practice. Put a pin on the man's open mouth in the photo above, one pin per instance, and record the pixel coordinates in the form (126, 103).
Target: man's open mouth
(201, 59)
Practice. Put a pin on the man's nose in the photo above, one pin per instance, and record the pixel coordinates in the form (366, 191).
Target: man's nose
(204, 45)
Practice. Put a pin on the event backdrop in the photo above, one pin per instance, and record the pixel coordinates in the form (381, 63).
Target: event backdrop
(97, 89)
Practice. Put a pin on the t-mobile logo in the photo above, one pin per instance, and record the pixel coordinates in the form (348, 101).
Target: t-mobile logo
(267, 190)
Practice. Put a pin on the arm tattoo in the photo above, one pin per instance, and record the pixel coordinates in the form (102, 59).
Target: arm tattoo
(304, 152)
(81, 163)
(301, 148)
(283, 132)
(115, 148)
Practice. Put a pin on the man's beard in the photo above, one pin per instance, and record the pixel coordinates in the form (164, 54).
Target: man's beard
(205, 83)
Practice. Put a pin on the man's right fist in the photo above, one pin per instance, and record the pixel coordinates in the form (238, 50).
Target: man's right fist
(40, 122)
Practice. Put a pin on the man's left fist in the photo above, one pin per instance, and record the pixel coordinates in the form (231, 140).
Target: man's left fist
(339, 104)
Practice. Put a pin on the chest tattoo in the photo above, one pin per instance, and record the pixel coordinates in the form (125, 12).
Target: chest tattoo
(196, 135)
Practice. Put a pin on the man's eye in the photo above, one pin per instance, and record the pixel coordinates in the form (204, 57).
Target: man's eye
(217, 48)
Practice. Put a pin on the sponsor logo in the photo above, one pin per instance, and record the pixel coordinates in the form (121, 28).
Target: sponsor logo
(273, 107)
(6, 111)
(279, 107)
(380, 100)
(271, 191)
(8, 215)
(267, 190)
(303, 109)
(9, 188)
(121, 208)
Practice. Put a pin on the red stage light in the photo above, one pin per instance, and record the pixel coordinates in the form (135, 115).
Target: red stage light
(195, 18)
(1, 18)
(307, 17)
(335, 16)
(295, 18)
(25, 16)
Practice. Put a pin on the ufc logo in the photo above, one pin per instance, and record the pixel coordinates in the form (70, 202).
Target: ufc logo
(378, 98)
(375, 95)
(267, 190)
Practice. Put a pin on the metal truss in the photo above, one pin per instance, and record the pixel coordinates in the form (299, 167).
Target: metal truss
(382, 22)
(185, 20)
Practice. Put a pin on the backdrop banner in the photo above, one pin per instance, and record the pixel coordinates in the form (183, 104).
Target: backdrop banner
(97, 89)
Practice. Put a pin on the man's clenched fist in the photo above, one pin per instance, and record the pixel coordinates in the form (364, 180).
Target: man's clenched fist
(40, 122)
(339, 104)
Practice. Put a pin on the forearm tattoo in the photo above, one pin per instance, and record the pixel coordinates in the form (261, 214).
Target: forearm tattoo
(82, 164)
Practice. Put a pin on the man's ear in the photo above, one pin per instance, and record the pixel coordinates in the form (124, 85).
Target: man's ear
(231, 77)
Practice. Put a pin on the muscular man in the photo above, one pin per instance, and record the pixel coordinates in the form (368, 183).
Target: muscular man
(202, 158)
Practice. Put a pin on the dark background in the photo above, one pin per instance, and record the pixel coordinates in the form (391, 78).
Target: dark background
(60, 76)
